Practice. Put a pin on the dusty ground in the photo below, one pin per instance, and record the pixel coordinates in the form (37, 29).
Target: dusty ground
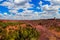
(46, 34)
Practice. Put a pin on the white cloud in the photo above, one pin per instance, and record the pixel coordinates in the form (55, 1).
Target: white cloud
(55, 2)
(5, 13)
(8, 4)
(50, 11)
(40, 3)
(19, 1)
(13, 11)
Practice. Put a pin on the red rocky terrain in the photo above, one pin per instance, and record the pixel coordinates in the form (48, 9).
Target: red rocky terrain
(46, 27)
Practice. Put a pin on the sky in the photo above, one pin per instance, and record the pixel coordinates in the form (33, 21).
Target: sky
(29, 9)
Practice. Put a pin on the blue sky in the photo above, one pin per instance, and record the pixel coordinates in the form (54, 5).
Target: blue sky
(29, 9)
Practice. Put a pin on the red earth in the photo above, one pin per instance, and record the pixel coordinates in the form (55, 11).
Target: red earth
(46, 34)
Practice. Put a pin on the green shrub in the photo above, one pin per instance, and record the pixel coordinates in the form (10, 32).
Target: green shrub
(27, 33)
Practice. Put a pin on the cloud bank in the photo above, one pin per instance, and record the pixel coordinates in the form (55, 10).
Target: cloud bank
(49, 11)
